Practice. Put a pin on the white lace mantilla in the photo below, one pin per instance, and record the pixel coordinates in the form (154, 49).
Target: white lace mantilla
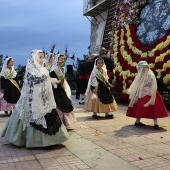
(7, 73)
(36, 97)
(48, 66)
(96, 73)
(143, 85)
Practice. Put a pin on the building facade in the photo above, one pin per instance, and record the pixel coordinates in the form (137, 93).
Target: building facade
(100, 14)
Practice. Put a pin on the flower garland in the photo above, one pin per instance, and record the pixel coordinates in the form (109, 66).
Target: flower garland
(128, 51)
(127, 12)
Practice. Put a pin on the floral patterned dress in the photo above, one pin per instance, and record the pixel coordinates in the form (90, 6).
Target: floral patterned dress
(154, 21)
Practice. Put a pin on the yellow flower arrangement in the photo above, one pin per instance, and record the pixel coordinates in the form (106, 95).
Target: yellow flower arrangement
(127, 57)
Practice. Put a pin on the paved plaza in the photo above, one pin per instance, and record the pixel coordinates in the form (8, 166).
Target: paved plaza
(103, 144)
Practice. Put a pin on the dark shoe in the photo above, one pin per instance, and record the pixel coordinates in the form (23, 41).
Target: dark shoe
(139, 124)
(156, 127)
(69, 129)
(10, 113)
(109, 116)
(81, 103)
(96, 116)
(6, 112)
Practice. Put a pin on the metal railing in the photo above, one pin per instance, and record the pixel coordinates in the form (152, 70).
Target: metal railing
(88, 4)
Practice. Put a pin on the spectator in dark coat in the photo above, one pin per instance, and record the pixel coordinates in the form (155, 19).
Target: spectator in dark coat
(89, 66)
(82, 80)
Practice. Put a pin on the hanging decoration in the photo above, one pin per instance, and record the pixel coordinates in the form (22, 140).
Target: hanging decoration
(154, 21)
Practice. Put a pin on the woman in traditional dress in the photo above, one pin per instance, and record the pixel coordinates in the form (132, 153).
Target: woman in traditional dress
(49, 61)
(145, 100)
(62, 92)
(98, 96)
(10, 92)
(35, 121)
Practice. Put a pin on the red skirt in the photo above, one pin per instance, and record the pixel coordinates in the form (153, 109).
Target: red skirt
(158, 110)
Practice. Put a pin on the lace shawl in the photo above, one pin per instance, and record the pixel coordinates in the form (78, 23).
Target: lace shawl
(48, 65)
(7, 73)
(144, 84)
(96, 73)
(36, 96)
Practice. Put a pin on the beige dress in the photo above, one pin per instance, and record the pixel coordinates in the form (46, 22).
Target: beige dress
(94, 104)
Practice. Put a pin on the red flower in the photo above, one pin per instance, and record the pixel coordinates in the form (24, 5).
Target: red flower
(136, 58)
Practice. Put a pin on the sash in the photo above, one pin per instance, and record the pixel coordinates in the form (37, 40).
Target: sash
(14, 83)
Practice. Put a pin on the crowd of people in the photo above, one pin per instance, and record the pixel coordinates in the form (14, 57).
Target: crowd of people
(42, 112)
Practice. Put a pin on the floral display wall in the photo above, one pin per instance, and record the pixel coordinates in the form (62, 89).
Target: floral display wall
(127, 12)
(130, 47)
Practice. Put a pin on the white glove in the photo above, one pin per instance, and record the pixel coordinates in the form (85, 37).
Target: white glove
(55, 86)
(55, 81)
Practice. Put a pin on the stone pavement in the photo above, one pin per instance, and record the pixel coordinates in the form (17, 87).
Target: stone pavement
(96, 144)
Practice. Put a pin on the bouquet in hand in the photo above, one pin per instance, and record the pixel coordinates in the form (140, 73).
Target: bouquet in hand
(61, 77)
(101, 77)
(9, 76)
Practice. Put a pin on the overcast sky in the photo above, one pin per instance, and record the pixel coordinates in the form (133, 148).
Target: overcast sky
(36, 24)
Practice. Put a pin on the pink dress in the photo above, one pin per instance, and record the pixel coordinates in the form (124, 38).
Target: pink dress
(4, 106)
(68, 119)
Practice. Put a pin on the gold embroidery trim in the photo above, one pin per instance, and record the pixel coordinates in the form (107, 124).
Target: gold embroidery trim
(15, 83)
